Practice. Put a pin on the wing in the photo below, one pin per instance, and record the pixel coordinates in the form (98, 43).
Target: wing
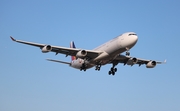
(63, 50)
(133, 60)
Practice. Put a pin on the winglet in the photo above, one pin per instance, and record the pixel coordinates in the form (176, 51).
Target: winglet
(165, 61)
(72, 45)
(12, 38)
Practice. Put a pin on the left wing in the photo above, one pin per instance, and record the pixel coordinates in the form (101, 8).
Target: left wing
(133, 60)
(90, 54)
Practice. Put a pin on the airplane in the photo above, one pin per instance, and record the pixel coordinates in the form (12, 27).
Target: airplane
(107, 53)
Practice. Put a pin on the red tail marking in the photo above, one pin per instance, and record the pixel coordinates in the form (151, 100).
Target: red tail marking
(72, 45)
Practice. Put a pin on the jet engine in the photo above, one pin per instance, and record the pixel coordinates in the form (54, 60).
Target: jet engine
(81, 54)
(132, 61)
(151, 64)
(46, 48)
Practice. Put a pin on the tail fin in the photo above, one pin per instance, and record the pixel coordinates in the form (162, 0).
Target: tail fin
(72, 45)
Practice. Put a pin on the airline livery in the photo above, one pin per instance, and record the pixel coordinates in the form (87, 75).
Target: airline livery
(107, 53)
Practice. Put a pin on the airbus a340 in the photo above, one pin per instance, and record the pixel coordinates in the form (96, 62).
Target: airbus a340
(107, 53)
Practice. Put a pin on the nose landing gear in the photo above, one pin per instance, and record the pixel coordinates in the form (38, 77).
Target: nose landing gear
(127, 53)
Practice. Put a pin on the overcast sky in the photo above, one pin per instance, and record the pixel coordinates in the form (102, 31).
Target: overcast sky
(30, 83)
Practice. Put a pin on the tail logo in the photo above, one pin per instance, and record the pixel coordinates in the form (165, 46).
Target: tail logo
(72, 45)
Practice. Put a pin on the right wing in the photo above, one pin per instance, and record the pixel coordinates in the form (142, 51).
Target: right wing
(63, 50)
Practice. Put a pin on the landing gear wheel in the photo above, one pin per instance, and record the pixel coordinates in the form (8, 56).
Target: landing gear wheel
(113, 73)
(112, 69)
(110, 72)
(115, 69)
(98, 67)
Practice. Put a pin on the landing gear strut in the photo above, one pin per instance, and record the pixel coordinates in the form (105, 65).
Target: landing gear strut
(98, 67)
(127, 51)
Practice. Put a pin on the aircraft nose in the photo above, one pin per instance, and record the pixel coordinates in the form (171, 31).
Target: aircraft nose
(131, 41)
(134, 39)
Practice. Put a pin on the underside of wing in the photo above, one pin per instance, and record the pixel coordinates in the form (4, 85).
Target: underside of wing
(90, 54)
(127, 60)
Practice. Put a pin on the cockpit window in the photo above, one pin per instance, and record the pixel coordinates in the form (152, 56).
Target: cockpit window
(132, 34)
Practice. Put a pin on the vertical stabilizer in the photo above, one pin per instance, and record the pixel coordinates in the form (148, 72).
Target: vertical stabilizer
(72, 45)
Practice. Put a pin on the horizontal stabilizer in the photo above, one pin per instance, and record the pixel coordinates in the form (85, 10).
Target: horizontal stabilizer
(58, 61)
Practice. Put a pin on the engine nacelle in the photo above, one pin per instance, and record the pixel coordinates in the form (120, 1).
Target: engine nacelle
(132, 61)
(46, 48)
(151, 64)
(81, 54)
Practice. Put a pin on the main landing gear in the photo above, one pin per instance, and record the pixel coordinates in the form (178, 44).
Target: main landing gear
(83, 67)
(98, 67)
(113, 70)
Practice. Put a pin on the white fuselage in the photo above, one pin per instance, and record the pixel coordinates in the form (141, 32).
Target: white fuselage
(111, 49)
